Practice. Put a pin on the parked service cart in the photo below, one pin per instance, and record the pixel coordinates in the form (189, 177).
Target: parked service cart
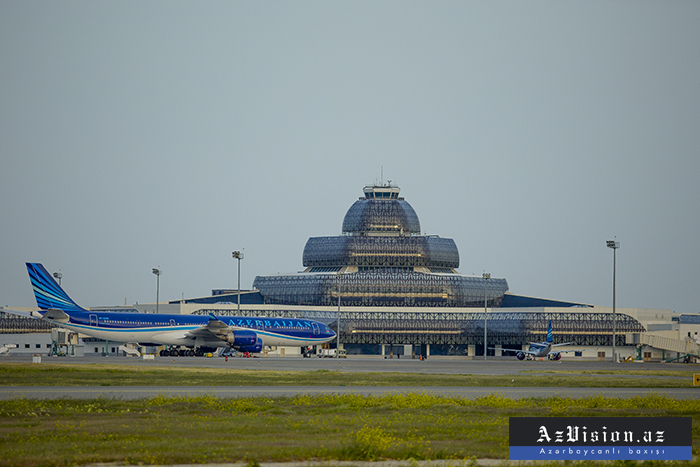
(331, 353)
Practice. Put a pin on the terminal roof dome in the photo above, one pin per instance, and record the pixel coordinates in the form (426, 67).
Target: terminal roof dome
(381, 212)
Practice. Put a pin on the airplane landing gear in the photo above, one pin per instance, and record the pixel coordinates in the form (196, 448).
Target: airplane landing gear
(178, 352)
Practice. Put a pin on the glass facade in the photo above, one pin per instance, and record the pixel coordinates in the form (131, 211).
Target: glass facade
(430, 252)
(381, 260)
(372, 215)
(381, 287)
(509, 329)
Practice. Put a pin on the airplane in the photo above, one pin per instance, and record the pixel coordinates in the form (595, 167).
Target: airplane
(541, 349)
(187, 335)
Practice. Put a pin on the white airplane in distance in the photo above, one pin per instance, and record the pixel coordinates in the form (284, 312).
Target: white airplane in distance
(541, 349)
(188, 335)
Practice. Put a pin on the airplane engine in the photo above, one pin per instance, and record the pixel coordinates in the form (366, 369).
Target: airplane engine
(253, 348)
(554, 356)
(243, 338)
(520, 356)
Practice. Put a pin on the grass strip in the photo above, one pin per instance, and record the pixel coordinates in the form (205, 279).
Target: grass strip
(15, 374)
(634, 372)
(183, 430)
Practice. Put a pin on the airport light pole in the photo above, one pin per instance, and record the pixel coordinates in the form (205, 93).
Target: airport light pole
(157, 272)
(614, 245)
(239, 256)
(486, 277)
(58, 276)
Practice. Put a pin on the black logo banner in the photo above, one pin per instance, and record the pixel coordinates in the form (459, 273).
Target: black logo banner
(604, 438)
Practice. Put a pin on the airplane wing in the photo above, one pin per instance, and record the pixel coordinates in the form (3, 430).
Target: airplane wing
(559, 345)
(564, 351)
(217, 331)
(516, 351)
(214, 329)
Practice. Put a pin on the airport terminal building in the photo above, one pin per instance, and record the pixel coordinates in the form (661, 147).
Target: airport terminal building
(390, 290)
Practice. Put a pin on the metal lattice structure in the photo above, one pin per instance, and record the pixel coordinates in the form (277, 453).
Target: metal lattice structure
(13, 324)
(463, 328)
(381, 210)
(386, 252)
(381, 287)
(381, 260)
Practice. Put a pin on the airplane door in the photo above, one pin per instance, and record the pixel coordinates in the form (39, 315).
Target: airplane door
(172, 322)
(315, 328)
(93, 320)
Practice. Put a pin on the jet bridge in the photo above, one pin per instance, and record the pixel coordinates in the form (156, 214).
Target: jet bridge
(680, 346)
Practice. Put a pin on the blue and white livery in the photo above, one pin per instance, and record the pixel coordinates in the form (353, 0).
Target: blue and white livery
(541, 349)
(197, 334)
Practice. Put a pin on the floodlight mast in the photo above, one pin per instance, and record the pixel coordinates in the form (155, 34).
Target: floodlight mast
(239, 256)
(614, 245)
(157, 272)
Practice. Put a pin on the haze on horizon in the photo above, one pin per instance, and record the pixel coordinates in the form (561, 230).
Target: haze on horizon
(136, 135)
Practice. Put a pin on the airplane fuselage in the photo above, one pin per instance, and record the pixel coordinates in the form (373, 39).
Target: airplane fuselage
(174, 329)
(539, 350)
(194, 331)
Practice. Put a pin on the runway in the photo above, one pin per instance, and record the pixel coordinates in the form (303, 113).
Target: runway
(437, 365)
(365, 364)
(139, 392)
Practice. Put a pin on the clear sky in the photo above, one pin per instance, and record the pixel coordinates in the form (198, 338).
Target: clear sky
(139, 134)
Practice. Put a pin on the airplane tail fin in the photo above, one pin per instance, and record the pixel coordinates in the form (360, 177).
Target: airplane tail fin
(47, 292)
(550, 334)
